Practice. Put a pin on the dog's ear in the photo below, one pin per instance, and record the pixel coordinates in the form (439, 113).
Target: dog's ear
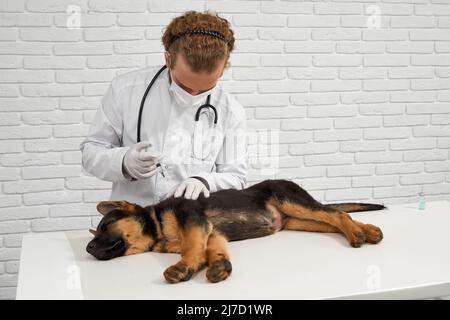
(105, 207)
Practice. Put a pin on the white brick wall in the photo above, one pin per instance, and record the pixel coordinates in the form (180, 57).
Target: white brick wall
(363, 113)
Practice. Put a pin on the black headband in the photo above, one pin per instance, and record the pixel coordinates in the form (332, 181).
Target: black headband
(201, 31)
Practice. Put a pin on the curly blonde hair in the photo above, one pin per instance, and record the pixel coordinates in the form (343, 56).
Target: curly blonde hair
(202, 52)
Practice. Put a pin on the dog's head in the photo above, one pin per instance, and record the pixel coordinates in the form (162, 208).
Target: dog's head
(122, 231)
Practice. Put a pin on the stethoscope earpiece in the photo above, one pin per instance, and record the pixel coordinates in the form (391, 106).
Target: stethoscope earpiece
(207, 105)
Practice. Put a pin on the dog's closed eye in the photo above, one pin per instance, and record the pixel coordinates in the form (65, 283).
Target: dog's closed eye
(104, 226)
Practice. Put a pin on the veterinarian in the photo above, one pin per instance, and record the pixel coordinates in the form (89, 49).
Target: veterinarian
(190, 139)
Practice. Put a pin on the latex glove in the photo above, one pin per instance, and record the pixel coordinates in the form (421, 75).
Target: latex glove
(191, 187)
(140, 162)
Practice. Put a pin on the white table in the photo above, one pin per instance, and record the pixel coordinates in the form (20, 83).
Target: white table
(412, 262)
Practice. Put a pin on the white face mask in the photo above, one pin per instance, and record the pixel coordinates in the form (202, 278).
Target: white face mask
(185, 99)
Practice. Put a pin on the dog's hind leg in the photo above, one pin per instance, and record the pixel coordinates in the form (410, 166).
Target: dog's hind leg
(373, 233)
(218, 260)
(193, 254)
(309, 225)
(340, 220)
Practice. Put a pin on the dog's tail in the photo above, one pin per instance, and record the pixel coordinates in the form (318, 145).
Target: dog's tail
(355, 207)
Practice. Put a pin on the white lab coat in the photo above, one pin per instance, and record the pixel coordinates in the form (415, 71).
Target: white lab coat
(170, 128)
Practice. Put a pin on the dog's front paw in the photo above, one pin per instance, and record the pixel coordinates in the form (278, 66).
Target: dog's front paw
(178, 272)
(219, 270)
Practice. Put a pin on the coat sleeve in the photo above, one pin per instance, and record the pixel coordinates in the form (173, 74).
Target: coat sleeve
(231, 163)
(102, 150)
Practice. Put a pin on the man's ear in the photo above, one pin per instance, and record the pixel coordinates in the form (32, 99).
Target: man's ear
(105, 207)
(167, 58)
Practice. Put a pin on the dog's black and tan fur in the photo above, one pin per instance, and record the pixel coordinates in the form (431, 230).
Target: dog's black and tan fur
(199, 230)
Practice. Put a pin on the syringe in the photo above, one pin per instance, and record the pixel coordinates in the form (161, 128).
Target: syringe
(161, 169)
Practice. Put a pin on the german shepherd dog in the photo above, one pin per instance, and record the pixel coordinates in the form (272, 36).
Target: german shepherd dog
(199, 229)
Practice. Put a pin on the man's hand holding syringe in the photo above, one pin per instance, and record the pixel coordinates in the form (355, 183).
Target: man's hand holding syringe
(141, 161)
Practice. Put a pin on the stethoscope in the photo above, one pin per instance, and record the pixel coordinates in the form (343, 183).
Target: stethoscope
(207, 105)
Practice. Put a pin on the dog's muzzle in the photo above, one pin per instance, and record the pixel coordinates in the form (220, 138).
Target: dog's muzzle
(105, 250)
